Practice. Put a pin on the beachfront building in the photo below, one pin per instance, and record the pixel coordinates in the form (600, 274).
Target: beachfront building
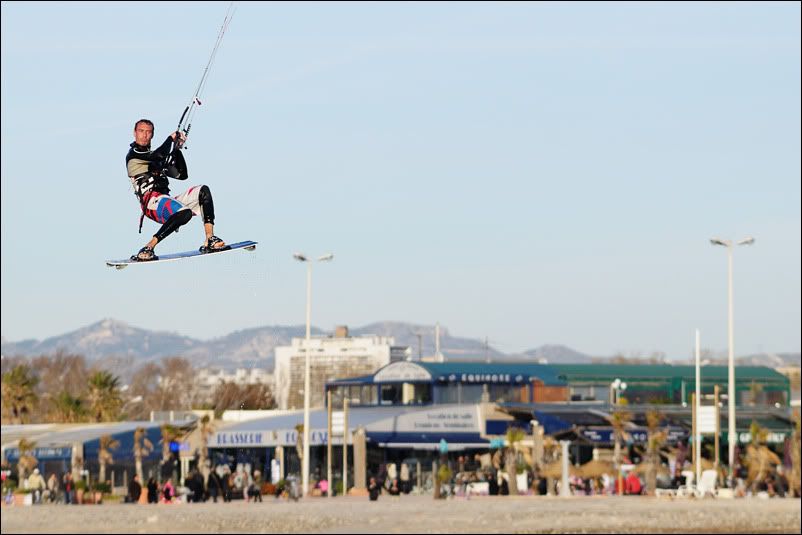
(755, 386)
(331, 357)
(60, 448)
(409, 409)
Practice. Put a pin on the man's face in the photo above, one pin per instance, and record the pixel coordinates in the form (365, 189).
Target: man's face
(143, 133)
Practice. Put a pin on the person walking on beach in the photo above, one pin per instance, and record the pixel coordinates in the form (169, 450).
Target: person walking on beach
(374, 489)
(134, 490)
(153, 491)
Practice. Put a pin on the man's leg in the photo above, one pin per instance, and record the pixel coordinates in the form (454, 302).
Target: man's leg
(199, 200)
(207, 209)
(172, 224)
(169, 211)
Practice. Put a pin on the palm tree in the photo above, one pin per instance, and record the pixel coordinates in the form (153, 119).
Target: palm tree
(142, 448)
(18, 393)
(656, 440)
(27, 461)
(77, 461)
(206, 430)
(619, 420)
(758, 457)
(299, 441)
(796, 455)
(104, 396)
(169, 434)
(107, 443)
(514, 436)
(68, 409)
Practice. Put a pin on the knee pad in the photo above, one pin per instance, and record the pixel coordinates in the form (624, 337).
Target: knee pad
(207, 205)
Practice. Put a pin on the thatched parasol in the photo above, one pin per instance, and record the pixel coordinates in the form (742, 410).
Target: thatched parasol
(596, 468)
(555, 470)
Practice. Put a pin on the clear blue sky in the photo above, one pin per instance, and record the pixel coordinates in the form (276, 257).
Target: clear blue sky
(534, 173)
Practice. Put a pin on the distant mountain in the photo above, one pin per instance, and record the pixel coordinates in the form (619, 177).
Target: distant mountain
(421, 341)
(107, 337)
(116, 343)
(772, 360)
(557, 354)
(247, 348)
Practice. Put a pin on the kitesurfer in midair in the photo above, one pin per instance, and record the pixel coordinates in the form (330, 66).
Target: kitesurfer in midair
(150, 171)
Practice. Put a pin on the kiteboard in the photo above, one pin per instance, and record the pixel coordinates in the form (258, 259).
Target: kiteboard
(121, 264)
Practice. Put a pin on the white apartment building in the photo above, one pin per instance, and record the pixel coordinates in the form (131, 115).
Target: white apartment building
(210, 378)
(331, 357)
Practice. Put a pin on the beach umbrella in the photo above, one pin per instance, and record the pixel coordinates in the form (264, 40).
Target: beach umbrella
(596, 468)
(555, 470)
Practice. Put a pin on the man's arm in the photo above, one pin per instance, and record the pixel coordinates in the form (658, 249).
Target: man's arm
(163, 151)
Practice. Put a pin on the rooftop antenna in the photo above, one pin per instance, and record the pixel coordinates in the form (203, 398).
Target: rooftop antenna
(420, 343)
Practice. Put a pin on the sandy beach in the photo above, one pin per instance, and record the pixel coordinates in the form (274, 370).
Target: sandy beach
(419, 514)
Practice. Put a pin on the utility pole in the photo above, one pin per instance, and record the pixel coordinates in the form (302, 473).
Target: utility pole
(328, 444)
(420, 343)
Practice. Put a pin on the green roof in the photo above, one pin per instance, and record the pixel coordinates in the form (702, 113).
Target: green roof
(559, 374)
(578, 372)
(544, 372)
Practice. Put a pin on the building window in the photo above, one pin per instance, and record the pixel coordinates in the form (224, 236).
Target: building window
(509, 393)
(355, 395)
(391, 394)
(337, 396)
(369, 396)
(423, 394)
(458, 393)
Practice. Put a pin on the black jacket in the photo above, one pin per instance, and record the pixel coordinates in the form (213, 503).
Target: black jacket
(134, 490)
(143, 163)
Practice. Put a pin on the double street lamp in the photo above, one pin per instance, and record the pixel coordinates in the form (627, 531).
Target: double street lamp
(732, 437)
(305, 461)
(617, 386)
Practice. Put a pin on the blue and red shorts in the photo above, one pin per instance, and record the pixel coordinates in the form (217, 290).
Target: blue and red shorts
(159, 207)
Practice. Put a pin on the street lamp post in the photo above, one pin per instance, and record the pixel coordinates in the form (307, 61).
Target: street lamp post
(732, 437)
(305, 461)
(617, 387)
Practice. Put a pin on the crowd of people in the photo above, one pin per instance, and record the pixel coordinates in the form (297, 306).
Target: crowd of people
(465, 477)
(221, 483)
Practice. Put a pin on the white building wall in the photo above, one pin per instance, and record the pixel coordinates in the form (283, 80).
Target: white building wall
(331, 358)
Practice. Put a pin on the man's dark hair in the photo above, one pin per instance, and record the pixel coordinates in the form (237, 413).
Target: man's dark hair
(146, 121)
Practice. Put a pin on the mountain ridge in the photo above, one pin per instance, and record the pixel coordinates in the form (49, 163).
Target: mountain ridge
(110, 339)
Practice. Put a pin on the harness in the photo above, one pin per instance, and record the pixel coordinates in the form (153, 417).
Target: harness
(145, 184)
